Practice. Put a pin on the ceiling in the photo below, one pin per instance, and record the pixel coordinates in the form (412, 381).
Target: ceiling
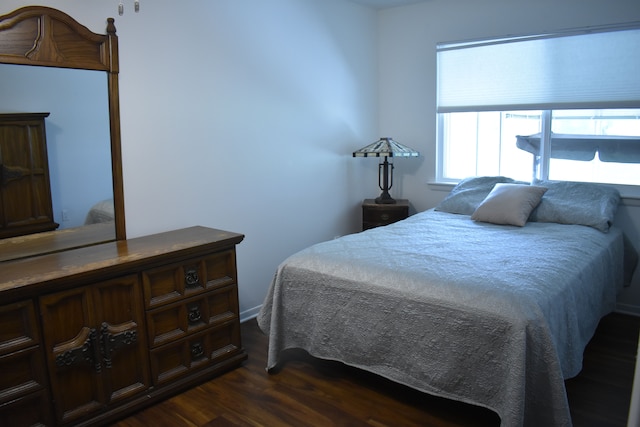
(383, 4)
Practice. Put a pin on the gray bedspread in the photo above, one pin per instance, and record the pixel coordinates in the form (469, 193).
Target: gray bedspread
(493, 315)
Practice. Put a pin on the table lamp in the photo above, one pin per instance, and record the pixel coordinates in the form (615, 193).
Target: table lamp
(386, 147)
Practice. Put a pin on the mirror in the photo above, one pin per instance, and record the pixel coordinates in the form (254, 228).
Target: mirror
(49, 56)
(77, 135)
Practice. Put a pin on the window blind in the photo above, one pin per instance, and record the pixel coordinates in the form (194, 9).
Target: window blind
(586, 68)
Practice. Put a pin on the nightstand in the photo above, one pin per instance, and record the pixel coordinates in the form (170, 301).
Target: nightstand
(375, 215)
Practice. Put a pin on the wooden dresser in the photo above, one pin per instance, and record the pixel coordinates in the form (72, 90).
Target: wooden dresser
(25, 192)
(89, 335)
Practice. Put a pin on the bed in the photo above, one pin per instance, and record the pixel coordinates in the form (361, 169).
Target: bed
(460, 304)
(100, 212)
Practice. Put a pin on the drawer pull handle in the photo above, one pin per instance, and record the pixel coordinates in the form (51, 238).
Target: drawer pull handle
(196, 350)
(115, 338)
(194, 315)
(191, 278)
(87, 353)
(384, 217)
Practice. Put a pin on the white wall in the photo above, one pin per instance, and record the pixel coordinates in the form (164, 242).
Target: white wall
(407, 84)
(242, 115)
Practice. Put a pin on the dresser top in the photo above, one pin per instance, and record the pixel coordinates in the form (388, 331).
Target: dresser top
(24, 277)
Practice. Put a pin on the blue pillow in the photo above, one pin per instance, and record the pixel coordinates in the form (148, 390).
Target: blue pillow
(581, 203)
(465, 197)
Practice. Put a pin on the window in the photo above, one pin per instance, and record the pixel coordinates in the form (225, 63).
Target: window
(584, 145)
(563, 106)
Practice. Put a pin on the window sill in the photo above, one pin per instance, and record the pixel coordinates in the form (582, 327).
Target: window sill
(441, 186)
(630, 201)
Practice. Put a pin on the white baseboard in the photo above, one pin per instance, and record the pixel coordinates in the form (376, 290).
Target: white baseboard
(633, 310)
(253, 312)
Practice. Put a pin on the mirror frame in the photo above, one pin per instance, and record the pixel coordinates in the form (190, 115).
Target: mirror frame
(47, 37)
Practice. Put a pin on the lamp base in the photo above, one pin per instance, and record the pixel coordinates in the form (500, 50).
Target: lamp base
(385, 199)
(385, 171)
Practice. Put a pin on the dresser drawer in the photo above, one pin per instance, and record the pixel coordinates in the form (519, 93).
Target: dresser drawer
(22, 373)
(200, 350)
(30, 410)
(376, 215)
(173, 282)
(384, 216)
(176, 320)
(385, 213)
(19, 328)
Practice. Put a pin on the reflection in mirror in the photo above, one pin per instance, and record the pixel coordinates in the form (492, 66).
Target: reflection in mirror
(77, 134)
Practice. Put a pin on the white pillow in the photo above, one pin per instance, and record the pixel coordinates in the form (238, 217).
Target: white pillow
(467, 195)
(509, 204)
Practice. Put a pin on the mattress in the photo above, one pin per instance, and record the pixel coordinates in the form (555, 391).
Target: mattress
(493, 315)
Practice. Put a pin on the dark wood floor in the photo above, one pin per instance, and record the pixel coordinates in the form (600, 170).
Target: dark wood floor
(310, 392)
